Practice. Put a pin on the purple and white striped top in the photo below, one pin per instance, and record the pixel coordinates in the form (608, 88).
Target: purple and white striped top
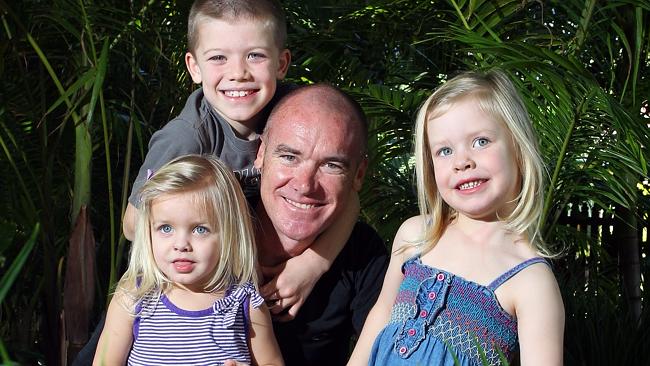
(164, 334)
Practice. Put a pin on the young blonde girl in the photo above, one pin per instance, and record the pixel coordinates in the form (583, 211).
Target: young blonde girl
(467, 283)
(189, 294)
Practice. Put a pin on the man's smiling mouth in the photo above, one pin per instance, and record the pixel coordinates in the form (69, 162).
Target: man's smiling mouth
(303, 206)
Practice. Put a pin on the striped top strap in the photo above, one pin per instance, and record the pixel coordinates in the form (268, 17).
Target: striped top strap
(513, 271)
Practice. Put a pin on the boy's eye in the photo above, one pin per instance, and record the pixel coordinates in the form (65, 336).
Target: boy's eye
(444, 151)
(220, 58)
(480, 142)
(201, 230)
(256, 56)
(165, 228)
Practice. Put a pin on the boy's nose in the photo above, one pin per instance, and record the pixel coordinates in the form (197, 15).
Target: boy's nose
(239, 71)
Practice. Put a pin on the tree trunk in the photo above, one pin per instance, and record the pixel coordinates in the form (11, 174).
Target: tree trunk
(627, 238)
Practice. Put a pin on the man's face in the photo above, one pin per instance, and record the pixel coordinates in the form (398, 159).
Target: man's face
(311, 162)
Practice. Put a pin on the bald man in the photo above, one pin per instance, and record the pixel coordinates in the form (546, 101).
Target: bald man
(312, 155)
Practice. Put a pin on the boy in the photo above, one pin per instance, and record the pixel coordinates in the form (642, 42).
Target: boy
(236, 51)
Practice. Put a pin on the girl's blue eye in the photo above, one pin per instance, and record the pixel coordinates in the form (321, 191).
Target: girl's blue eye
(165, 229)
(444, 151)
(201, 230)
(481, 141)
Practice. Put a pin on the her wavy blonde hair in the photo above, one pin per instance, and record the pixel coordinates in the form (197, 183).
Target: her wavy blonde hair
(217, 194)
(496, 96)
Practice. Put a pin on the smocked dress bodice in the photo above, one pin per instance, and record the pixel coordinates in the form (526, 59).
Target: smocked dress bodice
(439, 318)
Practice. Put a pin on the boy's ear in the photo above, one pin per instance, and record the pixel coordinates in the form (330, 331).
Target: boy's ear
(284, 59)
(193, 67)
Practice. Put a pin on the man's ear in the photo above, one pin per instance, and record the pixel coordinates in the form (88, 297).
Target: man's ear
(193, 67)
(360, 174)
(259, 160)
(284, 59)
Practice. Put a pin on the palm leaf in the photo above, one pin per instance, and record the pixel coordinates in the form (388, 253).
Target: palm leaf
(16, 266)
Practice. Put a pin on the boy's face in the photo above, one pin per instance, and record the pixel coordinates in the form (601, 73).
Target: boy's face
(238, 63)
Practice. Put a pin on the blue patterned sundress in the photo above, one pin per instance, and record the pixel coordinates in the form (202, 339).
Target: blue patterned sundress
(439, 317)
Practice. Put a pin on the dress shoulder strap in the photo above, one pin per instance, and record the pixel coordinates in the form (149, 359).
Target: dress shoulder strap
(513, 271)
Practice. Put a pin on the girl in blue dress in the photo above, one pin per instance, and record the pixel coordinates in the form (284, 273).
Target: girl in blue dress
(467, 282)
(189, 295)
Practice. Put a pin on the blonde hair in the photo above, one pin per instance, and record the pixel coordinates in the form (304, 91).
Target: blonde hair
(217, 193)
(496, 96)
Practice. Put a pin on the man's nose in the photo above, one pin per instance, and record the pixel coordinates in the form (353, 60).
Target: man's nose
(305, 179)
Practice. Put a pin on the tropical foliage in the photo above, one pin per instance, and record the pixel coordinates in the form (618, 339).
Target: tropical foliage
(84, 83)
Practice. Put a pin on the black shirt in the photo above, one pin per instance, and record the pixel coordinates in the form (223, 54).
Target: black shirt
(338, 305)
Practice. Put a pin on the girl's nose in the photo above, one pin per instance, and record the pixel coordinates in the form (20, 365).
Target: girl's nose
(182, 244)
(464, 164)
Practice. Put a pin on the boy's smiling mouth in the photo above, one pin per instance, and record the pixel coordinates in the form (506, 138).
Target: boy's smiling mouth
(238, 93)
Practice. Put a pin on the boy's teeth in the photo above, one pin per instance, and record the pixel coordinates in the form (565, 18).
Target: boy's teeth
(236, 93)
(470, 185)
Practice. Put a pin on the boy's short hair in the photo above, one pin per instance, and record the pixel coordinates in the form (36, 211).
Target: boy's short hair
(261, 10)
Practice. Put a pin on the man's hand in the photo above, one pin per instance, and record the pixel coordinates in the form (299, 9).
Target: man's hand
(291, 283)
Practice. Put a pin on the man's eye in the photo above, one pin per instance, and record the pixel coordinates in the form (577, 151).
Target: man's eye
(480, 142)
(444, 151)
(288, 158)
(165, 229)
(201, 230)
(333, 167)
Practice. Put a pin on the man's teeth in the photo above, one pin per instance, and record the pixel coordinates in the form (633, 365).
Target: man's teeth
(236, 93)
(470, 185)
(304, 206)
